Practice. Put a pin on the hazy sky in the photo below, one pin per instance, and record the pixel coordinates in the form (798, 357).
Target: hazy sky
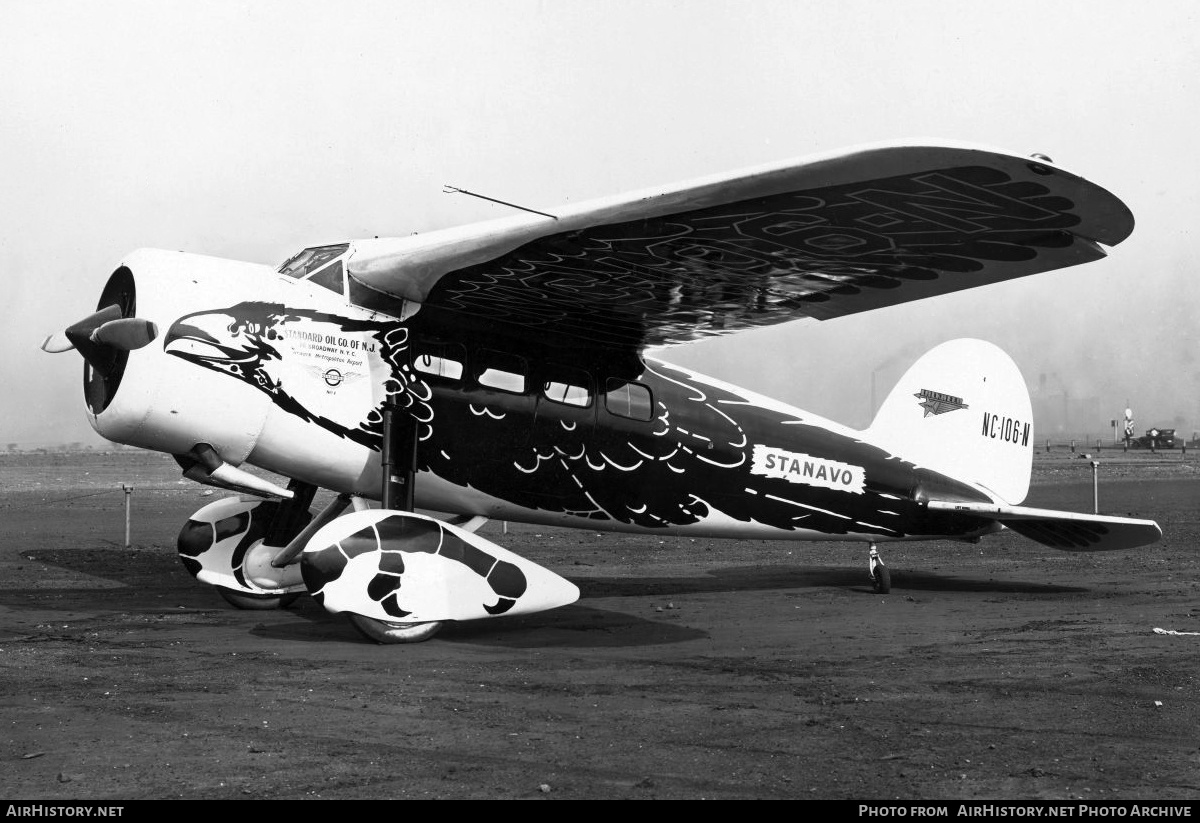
(253, 129)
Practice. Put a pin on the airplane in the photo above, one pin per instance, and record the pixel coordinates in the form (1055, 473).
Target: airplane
(506, 370)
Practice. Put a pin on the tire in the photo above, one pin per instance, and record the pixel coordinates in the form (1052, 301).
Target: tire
(258, 602)
(881, 579)
(381, 631)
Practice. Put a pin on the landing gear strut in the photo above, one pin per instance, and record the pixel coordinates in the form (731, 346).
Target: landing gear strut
(399, 459)
(881, 578)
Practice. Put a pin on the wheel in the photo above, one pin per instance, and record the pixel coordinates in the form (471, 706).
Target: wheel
(382, 631)
(881, 579)
(258, 602)
(220, 540)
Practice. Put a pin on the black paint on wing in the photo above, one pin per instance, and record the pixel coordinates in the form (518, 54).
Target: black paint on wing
(819, 253)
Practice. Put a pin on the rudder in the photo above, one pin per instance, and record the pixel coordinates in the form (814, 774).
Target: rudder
(962, 410)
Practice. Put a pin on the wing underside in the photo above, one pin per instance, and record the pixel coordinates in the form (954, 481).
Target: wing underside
(1069, 531)
(819, 238)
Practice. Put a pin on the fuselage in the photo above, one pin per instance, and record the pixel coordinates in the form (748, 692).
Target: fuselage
(290, 371)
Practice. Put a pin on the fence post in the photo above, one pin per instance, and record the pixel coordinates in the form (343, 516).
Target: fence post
(1095, 488)
(128, 494)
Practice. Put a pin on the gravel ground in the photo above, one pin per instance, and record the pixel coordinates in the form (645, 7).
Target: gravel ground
(688, 669)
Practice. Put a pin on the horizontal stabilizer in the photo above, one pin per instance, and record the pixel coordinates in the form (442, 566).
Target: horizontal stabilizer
(1069, 531)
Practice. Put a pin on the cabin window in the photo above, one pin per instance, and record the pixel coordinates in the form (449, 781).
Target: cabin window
(310, 260)
(330, 277)
(630, 400)
(568, 386)
(501, 371)
(438, 359)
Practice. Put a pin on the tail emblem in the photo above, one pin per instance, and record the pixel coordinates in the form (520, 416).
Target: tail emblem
(934, 402)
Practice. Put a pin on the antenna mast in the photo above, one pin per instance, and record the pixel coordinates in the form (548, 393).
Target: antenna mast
(451, 189)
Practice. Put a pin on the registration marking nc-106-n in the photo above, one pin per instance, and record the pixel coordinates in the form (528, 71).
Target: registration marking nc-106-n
(807, 470)
(1008, 429)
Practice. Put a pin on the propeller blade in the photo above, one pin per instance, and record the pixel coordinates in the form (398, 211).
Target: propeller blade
(56, 343)
(81, 331)
(128, 333)
(76, 333)
(101, 337)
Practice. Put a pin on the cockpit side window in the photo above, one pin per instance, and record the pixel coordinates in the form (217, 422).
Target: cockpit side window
(311, 259)
(330, 277)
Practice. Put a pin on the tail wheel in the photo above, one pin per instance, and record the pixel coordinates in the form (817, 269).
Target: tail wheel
(381, 631)
(257, 602)
(881, 579)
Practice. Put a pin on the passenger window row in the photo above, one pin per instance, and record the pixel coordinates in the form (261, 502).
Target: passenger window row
(505, 372)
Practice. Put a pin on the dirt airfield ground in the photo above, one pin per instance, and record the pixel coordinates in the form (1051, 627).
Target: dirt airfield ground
(688, 669)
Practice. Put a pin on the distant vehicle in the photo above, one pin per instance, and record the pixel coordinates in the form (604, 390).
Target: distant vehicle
(1156, 439)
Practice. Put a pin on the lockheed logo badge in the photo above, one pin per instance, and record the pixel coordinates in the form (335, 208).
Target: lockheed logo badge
(934, 402)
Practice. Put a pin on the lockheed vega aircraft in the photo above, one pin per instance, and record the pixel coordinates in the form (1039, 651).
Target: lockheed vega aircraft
(501, 370)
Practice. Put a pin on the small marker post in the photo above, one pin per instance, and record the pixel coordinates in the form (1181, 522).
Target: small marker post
(128, 495)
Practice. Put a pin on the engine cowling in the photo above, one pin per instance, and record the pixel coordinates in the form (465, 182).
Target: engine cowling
(149, 399)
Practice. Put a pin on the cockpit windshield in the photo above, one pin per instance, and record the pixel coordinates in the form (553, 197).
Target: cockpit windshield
(309, 260)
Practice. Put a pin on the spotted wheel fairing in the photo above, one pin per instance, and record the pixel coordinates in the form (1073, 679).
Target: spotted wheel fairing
(214, 543)
(409, 568)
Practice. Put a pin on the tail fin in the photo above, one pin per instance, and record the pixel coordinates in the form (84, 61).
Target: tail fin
(962, 410)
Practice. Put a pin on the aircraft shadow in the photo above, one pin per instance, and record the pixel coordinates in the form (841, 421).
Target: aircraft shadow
(759, 578)
(585, 625)
(566, 627)
(147, 579)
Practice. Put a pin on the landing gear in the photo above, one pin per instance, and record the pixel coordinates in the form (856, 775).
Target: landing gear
(399, 463)
(881, 578)
(257, 602)
(381, 631)
(230, 543)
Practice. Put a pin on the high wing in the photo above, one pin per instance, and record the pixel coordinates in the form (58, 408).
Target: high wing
(1068, 531)
(819, 237)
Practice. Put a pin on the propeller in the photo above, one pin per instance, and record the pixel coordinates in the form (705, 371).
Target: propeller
(105, 328)
(128, 333)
